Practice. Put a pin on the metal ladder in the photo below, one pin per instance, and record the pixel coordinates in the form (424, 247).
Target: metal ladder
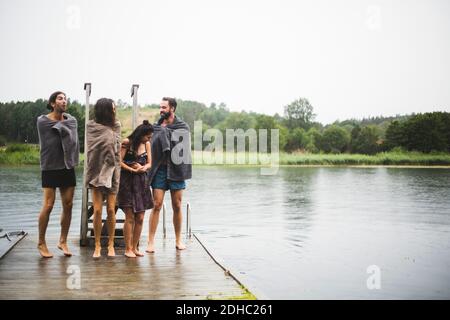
(188, 221)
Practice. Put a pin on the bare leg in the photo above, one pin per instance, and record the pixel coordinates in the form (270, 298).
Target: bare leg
(128, 232)
(177, 196)
(97, 199)
(138, 222)
(44, 215)
(66, 218)
(111, 222)
(158, 198)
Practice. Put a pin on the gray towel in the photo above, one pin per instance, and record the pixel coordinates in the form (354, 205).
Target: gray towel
(58, 142)
(166, 140)
(103, 157)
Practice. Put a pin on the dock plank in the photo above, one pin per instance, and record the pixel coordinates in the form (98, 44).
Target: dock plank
(166, 274)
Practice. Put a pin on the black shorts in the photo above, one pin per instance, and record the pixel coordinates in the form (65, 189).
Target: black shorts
(58, 178)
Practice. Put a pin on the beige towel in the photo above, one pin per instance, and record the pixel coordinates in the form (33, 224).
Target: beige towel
(103, 157)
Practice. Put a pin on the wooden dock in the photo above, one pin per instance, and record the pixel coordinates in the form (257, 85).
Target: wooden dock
(166, 274)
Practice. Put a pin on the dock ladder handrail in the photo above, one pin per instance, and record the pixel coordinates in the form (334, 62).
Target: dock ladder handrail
(84, 196)
(188, 221)
(164, 220)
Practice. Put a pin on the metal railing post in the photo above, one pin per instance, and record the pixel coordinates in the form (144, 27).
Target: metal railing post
(134, 89)
(84, 196)
(188, 220)
(164, 220)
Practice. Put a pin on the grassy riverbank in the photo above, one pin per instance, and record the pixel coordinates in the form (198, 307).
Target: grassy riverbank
(309, 159)
(19, 154)
(28, 154)
(383, 158)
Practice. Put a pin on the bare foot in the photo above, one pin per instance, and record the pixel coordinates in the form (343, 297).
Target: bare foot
(43, 250)
(138, 253)
(130, 254)
(150, 247)
(97, 252)
(63, 246)
(111, 252)
(180, 246)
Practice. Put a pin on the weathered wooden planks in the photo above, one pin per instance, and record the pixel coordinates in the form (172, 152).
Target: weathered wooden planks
(166, 274)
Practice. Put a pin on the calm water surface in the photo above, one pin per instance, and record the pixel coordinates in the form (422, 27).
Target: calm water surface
(305, 233)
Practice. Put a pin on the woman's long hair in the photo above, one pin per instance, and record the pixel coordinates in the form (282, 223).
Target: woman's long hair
(136, 136)
(103, 112)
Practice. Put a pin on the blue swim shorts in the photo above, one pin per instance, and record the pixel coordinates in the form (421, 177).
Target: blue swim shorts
(160, 181)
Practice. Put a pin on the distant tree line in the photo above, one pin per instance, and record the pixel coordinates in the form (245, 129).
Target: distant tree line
(18, 120)
(299, 132)
(298, 129)
(424, 132)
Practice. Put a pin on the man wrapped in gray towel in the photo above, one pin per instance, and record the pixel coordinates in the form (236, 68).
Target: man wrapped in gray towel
(58, 139)
(171, 166)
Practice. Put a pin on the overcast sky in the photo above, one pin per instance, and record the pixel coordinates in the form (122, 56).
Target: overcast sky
(350, 58)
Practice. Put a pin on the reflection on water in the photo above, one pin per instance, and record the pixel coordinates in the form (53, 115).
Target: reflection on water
(304, 233)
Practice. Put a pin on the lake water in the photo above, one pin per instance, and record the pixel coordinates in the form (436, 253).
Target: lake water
(304, 233)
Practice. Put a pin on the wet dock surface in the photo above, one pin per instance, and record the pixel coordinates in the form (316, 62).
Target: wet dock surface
(166, 274)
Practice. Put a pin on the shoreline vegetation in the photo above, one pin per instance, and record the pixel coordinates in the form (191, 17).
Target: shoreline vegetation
(28, 154)
(402, 140)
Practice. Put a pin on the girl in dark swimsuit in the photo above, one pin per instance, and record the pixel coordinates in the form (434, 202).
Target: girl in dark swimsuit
(134, 195)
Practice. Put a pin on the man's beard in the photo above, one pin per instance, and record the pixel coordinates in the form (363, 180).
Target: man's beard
(165, 115)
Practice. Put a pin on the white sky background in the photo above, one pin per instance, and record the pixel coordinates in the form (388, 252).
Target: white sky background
(350, 58)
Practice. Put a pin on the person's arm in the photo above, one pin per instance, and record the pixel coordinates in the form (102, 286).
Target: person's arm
(149, 156)
(123, 151)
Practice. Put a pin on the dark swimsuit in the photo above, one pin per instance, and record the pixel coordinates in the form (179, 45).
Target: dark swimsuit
(134, 190)
(58, 178)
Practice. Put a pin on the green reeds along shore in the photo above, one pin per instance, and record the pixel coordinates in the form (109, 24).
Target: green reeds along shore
(384, 158)
(28, 154)
(21, 154)
(392, 158)
(18, 154)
